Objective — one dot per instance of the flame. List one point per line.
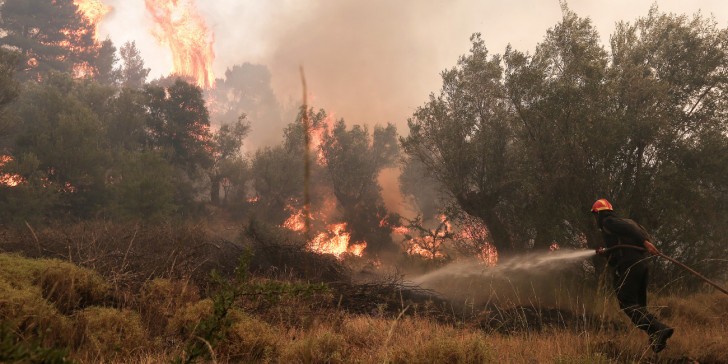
(334, 240)
(182, 28)
(489, 255)
(9, 179)
(402, 230)
(295, 222)
(94, 11)
(417, 248)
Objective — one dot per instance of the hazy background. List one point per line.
(371, 61)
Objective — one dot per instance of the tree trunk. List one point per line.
(215, 189)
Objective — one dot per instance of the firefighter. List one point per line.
(629, 267)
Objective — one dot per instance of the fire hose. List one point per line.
(681, 265)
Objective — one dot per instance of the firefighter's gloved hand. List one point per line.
(601, 251)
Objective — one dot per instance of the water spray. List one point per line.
(681, 265)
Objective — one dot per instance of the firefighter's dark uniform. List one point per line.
(629, 269)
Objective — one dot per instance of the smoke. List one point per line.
(369, 61)
(364, 60)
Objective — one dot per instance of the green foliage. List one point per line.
(526, 142)
(8, 92)
(133, 74)
(39, 30)
(465, 138)
(353, 159)
(179, 122)
(65, 137)
(278, 178)
(14, 349)
(144, 187)
(228, 164)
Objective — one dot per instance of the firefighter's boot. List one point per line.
(658, 339)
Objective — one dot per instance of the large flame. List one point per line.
(93, 10)
(182, 28)
(333, 240)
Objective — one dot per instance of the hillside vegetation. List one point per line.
(52, 309)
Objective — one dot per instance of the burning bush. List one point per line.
(281, 252)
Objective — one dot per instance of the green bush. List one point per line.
(15, 349)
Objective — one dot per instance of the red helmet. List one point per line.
(601, 204)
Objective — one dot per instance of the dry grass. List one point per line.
(55, 298)
(109, 334)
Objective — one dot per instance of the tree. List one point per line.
(671, 73)
(277, 176)
(465, 138)
(353, 160)
(127, 121)
(132, 72)
(246, 89)
(179, 123)
(66, 137)
(562, 105)
(278, 171)
(103, 65)
(227, 156)
(8, 93)
(50, 35)
(527, 142)
(144, 187)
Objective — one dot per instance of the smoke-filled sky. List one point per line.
(372, 61)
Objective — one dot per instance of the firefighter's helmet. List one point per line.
(600, 205)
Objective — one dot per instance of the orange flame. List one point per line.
(335, 240)
(489, 255)
(93, 10)
(418, 248)
(9, 179)
(181, 28)
(295, 222)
